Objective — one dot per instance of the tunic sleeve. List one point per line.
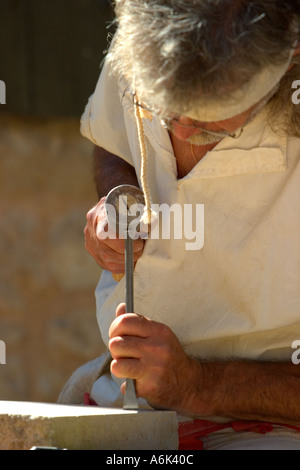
(103, 120)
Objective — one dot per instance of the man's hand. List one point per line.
(150, 353)
(108, 252)
(168, 378)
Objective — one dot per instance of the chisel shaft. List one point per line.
(130, 400)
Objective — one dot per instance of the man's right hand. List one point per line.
(109, 253)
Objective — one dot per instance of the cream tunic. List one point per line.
(239, 295)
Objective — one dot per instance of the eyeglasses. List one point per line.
(168, 122)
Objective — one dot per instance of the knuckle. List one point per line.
(114, 344)
(86, 231)
(121, 368)
(90, 214)
(165, 331)
(114, 367)
(124, 320)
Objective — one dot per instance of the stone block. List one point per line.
(24, 425)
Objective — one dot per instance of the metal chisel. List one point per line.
(121, 199)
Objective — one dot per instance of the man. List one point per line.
(213, 329)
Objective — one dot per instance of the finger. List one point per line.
(126, 367)
(109, 255)
(123, 388)
(109, 238)
(117, 244)
(97, 212)
(105, 257)
(97, 223)
(130, 324)
(121, 309)
(126, 347)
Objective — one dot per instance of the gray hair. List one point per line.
(178, 50)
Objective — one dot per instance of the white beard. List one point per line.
(204, 139)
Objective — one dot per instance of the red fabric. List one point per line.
(191, 432)
(87, 400)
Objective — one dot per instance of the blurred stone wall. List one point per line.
(47, 279)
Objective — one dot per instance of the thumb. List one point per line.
(120, 310)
